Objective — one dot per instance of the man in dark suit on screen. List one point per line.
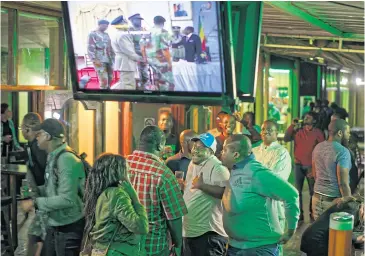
(193, 46)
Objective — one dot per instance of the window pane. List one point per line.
(23, 110)
(39, 48)
(4, 46)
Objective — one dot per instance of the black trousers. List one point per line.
(208, 244)
(64, 240)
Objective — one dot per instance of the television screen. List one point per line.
(159, 47)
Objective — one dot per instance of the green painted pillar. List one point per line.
(266, 86)
(295, 90)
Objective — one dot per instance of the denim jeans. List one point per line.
(208, 244)
(265, 250)
(301, 173)
(65, 240)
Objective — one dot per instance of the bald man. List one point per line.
(228, 126)
(331, 165)
(250, 214)
(181, 160)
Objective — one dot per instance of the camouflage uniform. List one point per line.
(156, 47)
(178, 50)
(142, 66)
(99, 48)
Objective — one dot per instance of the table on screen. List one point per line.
(192, 77)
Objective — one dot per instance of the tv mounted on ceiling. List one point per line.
(161, 51)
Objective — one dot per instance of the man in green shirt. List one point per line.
(250, 215)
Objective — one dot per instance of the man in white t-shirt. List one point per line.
(203, 232)
(275, 157)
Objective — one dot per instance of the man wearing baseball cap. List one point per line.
(60, 196)
(206, 179)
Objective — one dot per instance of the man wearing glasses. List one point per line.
(275, 157)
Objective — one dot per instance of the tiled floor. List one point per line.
(292, 248)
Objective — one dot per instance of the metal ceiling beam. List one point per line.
(360, 39)
(311, 48)
(288, 7)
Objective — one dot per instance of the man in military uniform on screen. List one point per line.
(177, 44)
(136, 21)
(156, 50)
(126, 59)
(100, 52)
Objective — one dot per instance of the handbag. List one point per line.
(89, 251)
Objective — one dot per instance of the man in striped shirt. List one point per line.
(159, 191)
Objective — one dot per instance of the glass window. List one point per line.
(22, 111)
(278, 105)
(4, 46)
(40, 45)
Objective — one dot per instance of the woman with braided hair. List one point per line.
(116, 222)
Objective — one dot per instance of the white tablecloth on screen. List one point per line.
(192, 77)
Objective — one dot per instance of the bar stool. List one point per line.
(6, 240)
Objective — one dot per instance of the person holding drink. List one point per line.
(203, 232)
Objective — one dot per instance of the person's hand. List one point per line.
(7, 138)
(20, 149)
(127, 186)
(97, 63)
(342, 200)
(309, 173)
(286, 236)
(295, 121)
(360, 239)
(27, 205)
(181, 184)
(237, 116)
(197, 182)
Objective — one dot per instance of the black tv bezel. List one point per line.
(224, 98)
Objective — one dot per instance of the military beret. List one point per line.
(158, 19)
(100, 22)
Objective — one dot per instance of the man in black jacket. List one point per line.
(37, 160)
(193, 45)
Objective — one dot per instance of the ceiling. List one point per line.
(315, 31)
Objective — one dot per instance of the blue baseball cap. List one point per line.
(208, 140)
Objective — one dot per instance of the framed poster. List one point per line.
(180, 10)
(304, 104)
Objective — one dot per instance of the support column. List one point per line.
(259, 113)
(338, 91)
(266, 86)
(178, 112)
(13, 47)
(126, 126)
(295, 91)
(359, 122)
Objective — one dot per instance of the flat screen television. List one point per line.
(160, 51)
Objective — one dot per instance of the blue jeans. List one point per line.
(265, 250)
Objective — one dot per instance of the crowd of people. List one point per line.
(234, 197)
(134, 48)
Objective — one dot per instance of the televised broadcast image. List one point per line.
(147, 46)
